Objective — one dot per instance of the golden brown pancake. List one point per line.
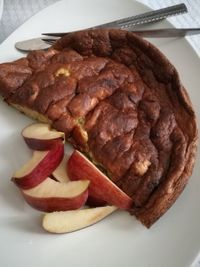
(121, 102)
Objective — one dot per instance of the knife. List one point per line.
(126, 23)
(145, 18)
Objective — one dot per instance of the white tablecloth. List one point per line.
(15, 12)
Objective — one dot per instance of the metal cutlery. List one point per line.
(168, 33)
(126, 23)
(145, 18)
(40, 43)
(157, 33)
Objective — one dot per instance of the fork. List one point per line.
(161, 33)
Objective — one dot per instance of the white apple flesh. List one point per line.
(39, 167)
(69, 221)
(51, 196)
(101, 187)
(40, 136)
(60, 173)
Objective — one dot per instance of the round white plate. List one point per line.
(119, 240)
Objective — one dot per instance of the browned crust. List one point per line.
(168, 147)
(164, 198)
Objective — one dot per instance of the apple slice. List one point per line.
(55, 196)
(39, 167)
(101, 187)
(60, 173)
(40, 136)
(69, 221)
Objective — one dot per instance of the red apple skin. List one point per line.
(41, 144)
(40, 136)
(79, 168)
(43, 169)
(56, 204)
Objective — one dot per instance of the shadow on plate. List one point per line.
(28, 223)
(13, 154)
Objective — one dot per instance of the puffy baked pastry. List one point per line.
(121, 102)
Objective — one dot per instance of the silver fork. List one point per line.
(157, 33)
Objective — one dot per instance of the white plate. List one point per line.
(119, 240)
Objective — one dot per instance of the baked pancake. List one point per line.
(118, 100)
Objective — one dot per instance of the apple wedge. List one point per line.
(69, 221)
(101, 187)
(39, 167)
(60, 173)
(40, 136)
(55, 196)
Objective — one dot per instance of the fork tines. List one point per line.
(55, 34)
(49, 41)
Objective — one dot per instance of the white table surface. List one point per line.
(15, 12)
